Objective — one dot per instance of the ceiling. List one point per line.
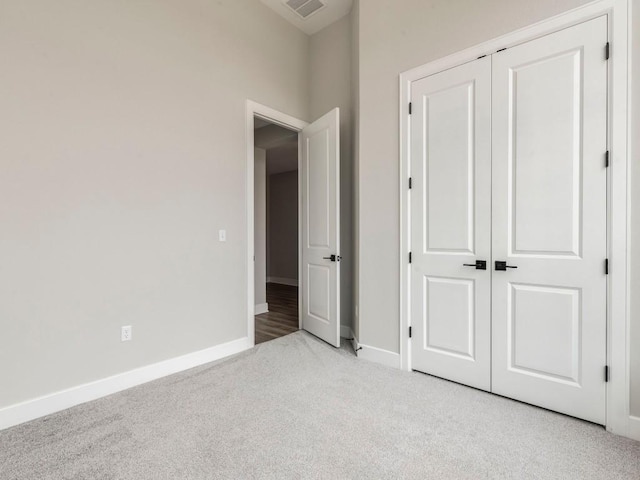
(331, 11)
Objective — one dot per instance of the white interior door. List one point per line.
(451, 224)
(320, 178)
(549, 221)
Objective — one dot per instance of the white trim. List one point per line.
(634, 427)
(292, 282)
(55, 402)
(254, 109)
(377, 355)
(631, 41)
(618, 321)
(300, 269)
(261, 308)
(618, 418)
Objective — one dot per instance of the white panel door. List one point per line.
(549, 221)
(451, 224)
(321, 228)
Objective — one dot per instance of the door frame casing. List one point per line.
(618, 418)
(254, 109)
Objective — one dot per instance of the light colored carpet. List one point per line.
(297, 408)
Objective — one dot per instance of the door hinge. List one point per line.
(606, 266)
(410, 257)
(606, 373)
(410, 105)
(410, 183)
(606, 159)
(607, 51)
(410, 332)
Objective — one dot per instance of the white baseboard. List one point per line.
(377, 355)
(634, 427)
(292, 282)
(373, 354)
(261, 308)
(55, 402)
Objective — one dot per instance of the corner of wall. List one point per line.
(355, 153)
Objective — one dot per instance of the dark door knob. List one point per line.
(479, 265)
(502, 266)
(333, 258)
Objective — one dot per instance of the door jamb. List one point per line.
(254, 109)
(618, 419)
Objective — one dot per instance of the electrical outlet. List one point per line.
(125, 333)
(222, 235)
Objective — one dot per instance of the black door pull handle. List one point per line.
(502, 266)
(479, 265)
(333, 258)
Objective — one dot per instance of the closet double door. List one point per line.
(508, 222)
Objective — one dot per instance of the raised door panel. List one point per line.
(318, 181)
(545, 319)
(545, 130)
(449, 316)
(319, 292)
(448, 169)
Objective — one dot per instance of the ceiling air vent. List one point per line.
(305, 8)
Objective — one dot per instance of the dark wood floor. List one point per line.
(282, 318)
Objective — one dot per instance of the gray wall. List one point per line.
(122, 145)
(260, 226)
(282, 221)
(330, 79)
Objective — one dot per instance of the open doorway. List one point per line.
(275, 230)
(318, 214)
